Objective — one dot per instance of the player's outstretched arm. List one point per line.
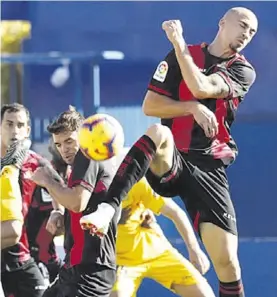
(219, 85)
(183, 225)
(200, 85)
(161, 106)
(172, 211)
(74, 199)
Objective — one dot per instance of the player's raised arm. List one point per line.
(220, 84)
(183, 225)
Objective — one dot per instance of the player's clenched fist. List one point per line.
(173, 30)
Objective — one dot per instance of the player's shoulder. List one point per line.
(169, 61)
(81, 160)
(242, 70)
(109, 167)
(171, 55)
(240, 61)
(32, 154)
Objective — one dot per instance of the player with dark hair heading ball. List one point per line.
(90, 264)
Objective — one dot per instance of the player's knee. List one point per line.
(160, 135)
(227, 267)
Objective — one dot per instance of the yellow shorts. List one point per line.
(169, 268)
(11, 201)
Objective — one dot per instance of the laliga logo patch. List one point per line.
(161, 72)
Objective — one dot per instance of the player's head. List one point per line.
(237, 27)
(15, 123)
(64, 130)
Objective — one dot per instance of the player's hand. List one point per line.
(199, 260)
(41, 176)
(55, 224)
(174, 31)
(206, 119)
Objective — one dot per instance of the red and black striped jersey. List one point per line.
(80, 246)
(19, 253)
(189, 137)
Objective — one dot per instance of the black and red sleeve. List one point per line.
(166, 78)
(84, 172)
(239, 77)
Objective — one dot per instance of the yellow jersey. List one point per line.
(11, 201)
(136, 244)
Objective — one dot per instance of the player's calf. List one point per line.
(222, 246)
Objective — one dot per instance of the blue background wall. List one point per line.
(135, 29)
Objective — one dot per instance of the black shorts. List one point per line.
(26, 281)
(204, 189)
(53, 269)
(94, 281)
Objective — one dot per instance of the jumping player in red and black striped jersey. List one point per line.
(196, 91)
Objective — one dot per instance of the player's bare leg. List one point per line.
(155, 150)
(202, 289)
(222, 248)
(129, 286)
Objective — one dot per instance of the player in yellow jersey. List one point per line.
(11, 205)
(143, 250)
(11, 201)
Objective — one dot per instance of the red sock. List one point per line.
(232, 289)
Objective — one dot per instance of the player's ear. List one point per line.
(221, 23)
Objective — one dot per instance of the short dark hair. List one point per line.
(15, 107)
(68, 121)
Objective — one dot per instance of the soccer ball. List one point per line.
(101, 137)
